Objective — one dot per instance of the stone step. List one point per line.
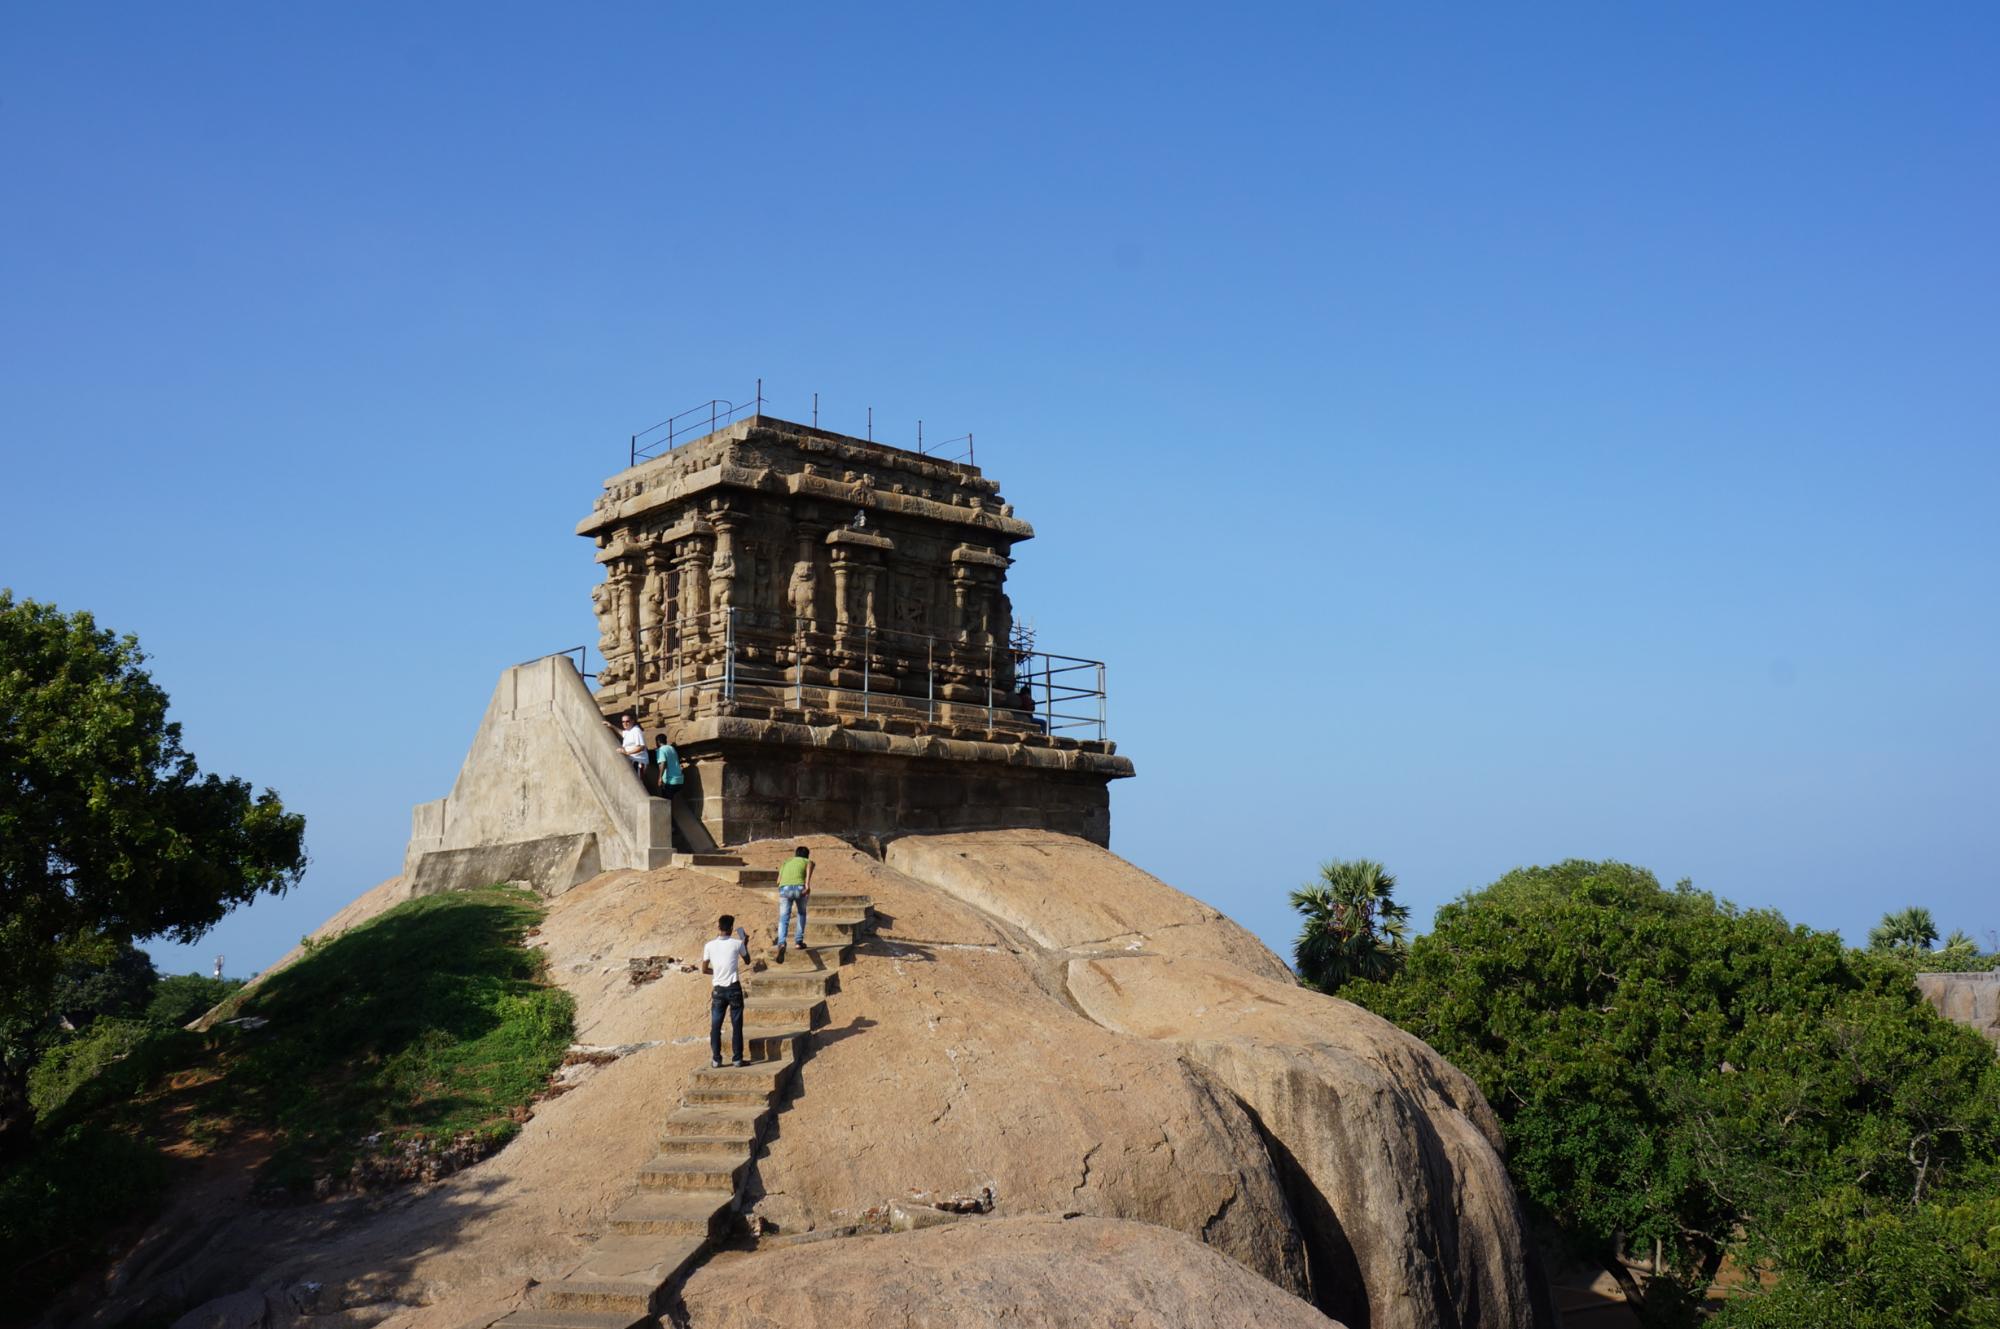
(541, 1318)
(622, 1274)
(830, 934)
(856, 918)
(695, 1172)
(773, 1042)
(782, 1012)
(683, 860)
(731, 1086)
(673, 1213)
(746, 1121)
(726, 1143)
(824, 899)
(817, 984)
(742, 876)
(808, 957)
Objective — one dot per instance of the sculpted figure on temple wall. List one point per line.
(607, 618)
(722, 574)
(802, 593)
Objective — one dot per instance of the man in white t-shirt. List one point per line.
(723, 960)
(632, 742)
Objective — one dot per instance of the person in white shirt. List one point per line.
(632, 741)
(723, 960)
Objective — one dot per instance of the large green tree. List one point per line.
(1353, 926)
(1672, 1069)
(109, 833)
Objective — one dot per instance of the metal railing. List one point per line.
(581, 654)
(700, 421)
(693, 423)
(754, 655)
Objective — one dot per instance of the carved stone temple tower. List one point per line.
(821, 624)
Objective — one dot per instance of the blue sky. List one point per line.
(1473, 437)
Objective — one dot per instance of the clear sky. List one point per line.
(1473, 436)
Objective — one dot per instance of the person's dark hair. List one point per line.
(726, 922)
(803, 851)
(659, 739)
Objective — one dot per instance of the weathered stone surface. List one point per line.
(1410, 1220)
(1067, 894)
(1043, 1271)
(958, 1056)
(543, 791)
(953, 1064)
(821, 625)
(1972, 1000)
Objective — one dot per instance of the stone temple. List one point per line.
(821, 626)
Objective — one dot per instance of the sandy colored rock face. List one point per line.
(1410, 1220)
(953, 1063)
(1068, 894)
(439, 1256)
(1066, 1030)
(1020, 1271)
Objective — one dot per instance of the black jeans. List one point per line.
(725, 999)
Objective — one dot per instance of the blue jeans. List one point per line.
(725, 999)
(786, 903)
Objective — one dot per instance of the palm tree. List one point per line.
(1354, 928)
(1959, 947)
(1904, 930)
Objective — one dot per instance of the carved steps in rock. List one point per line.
(622, 1274)
(730, 1121)
(690, 1188)
(539, 1318)
(818, 984)
(673, 1212)
(783, 1012)
(696, 1172)
(726, 867)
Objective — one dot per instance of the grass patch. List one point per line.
(420, 1029)
(404, 1048)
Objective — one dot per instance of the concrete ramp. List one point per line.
(544, 795)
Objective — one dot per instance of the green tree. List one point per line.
(1670, 1068)
(1353, 926)
(109, 832)
(1908, 929)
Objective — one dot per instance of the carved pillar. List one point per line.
(652, 617)
(722, 573)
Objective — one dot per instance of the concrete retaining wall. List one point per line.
(543, 776)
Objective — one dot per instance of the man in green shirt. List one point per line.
(794, 885)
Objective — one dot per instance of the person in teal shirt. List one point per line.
(794, 885)
(666, 768)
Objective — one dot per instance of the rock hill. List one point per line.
(1170, 1131)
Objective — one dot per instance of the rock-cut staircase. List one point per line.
(689, 1192)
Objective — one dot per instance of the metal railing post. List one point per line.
(867, 637)
(989, 684)
(1100, 703)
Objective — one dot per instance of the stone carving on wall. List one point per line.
(762, 519)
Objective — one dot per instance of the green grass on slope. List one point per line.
(428, 1024)
(405, 1047)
